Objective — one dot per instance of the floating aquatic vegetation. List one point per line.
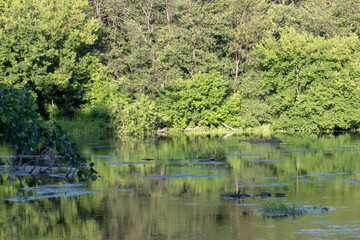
(317, 209)
(239, 195)
(234, 195)
(278, 209)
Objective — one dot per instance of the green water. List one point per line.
(171, 197)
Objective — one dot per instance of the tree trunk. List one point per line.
(237, 61)
(168, 18)
(297, 82)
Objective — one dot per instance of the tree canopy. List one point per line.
(149, 64)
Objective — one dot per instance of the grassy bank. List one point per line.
(83, 126)
(87, 126)
(264, 129)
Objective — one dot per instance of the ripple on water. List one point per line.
(270, 185)
(191, 171)
(327, 174)
(270, 177)
(105, 156)
(182, 176)
(246, 204)
(203, 163)
(128, 163)
(246, 179)
(293, 150)
(266, 160)
(244, 155)
(352, 181)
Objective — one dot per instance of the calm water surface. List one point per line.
(149, 190)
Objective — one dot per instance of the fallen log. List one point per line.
(228, 127)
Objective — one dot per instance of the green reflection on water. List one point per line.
(170, 197)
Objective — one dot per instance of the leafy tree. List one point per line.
(244, 24)
(313, 81)
(348, 16)
(321, 18)
(20, 127)
(46, 46)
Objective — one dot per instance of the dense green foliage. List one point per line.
(143, 65)
(195, 101)
(313, 81)
(20, 127)
(47, 46)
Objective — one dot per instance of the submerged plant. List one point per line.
(216, 153)
(277, 208)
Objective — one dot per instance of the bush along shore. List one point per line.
(37, 148)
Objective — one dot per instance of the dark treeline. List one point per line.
(141, 65)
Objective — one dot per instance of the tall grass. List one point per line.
(216, 153)
(83, 124)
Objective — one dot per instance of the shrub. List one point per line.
(136, 118)
(195, 101)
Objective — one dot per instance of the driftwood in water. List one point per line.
(45, 163)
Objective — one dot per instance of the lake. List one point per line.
(149, 190)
